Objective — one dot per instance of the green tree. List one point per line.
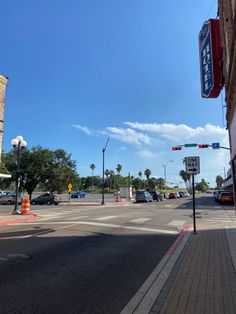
(92, 166)
(62, 172)
(140, 174)
(111, 179)
(160, 183)
(118, 169)
(202, 186)
(186, 178)
(219, 182)
(137, 183)
(152, 183)
(147, 173)
(35, 166)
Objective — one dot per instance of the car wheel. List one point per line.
(9, 202)
(33, 203)
(49, 202)
(55, 203)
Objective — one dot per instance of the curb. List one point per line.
(7, 222)
(94, 204)
(146, 296)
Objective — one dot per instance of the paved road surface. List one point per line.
(90, 259)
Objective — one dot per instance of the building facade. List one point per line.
(3, 85)
(227, 17)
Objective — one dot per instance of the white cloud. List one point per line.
(128, 135)
(146, 154)
(84, 129)
(182, 133)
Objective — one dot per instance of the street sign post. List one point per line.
(192, 165)
(70, 186)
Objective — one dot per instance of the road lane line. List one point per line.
(101, 225)
(79, 217)
(139, 220)
(106, 218)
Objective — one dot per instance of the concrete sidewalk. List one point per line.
(199, 276)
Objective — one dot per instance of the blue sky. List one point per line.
(80, 71)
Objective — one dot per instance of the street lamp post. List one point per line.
(164, 166)
(103, 162)
(18, 144)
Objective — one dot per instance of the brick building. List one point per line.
(227, 17)
(3, 84)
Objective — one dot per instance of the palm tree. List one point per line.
(140, 174)
(219, 182)
(118, 169)
(147, 173)
(92, 166)
(107, 173)
(186, 178)
(112, 173)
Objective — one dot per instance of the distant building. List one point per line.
(3, 83)
(227, 17)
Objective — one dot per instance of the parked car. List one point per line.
(78, 194)
(182, 194)
(46, 199)
(143, 196)
(226, 197)
(217, 194)
(172, 195)
(7, 199)
(156, 195)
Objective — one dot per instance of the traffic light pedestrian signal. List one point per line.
(177, 148)
(203, 146)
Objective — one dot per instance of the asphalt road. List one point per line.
(90, 259)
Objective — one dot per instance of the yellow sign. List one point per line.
(70, 187)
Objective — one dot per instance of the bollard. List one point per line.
(25, 205)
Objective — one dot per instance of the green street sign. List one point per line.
(190, 145)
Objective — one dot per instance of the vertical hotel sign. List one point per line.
(210, 59)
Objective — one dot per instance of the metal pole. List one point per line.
(194, 214)
(103, 180)
(17, 177)
(234, 182)
(165, 175)
(103, 183)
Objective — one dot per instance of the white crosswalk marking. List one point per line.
(106, 218)
(177, 223)
(221, 218)
(139, 220)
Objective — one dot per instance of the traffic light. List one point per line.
(203, 146)
(177, 148)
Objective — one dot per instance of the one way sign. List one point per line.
(192, 164)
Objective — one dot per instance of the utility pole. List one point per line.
(103, 162)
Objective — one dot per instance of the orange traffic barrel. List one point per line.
(117, 197)
(25, 206)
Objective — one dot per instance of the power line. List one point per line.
(211, 8)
